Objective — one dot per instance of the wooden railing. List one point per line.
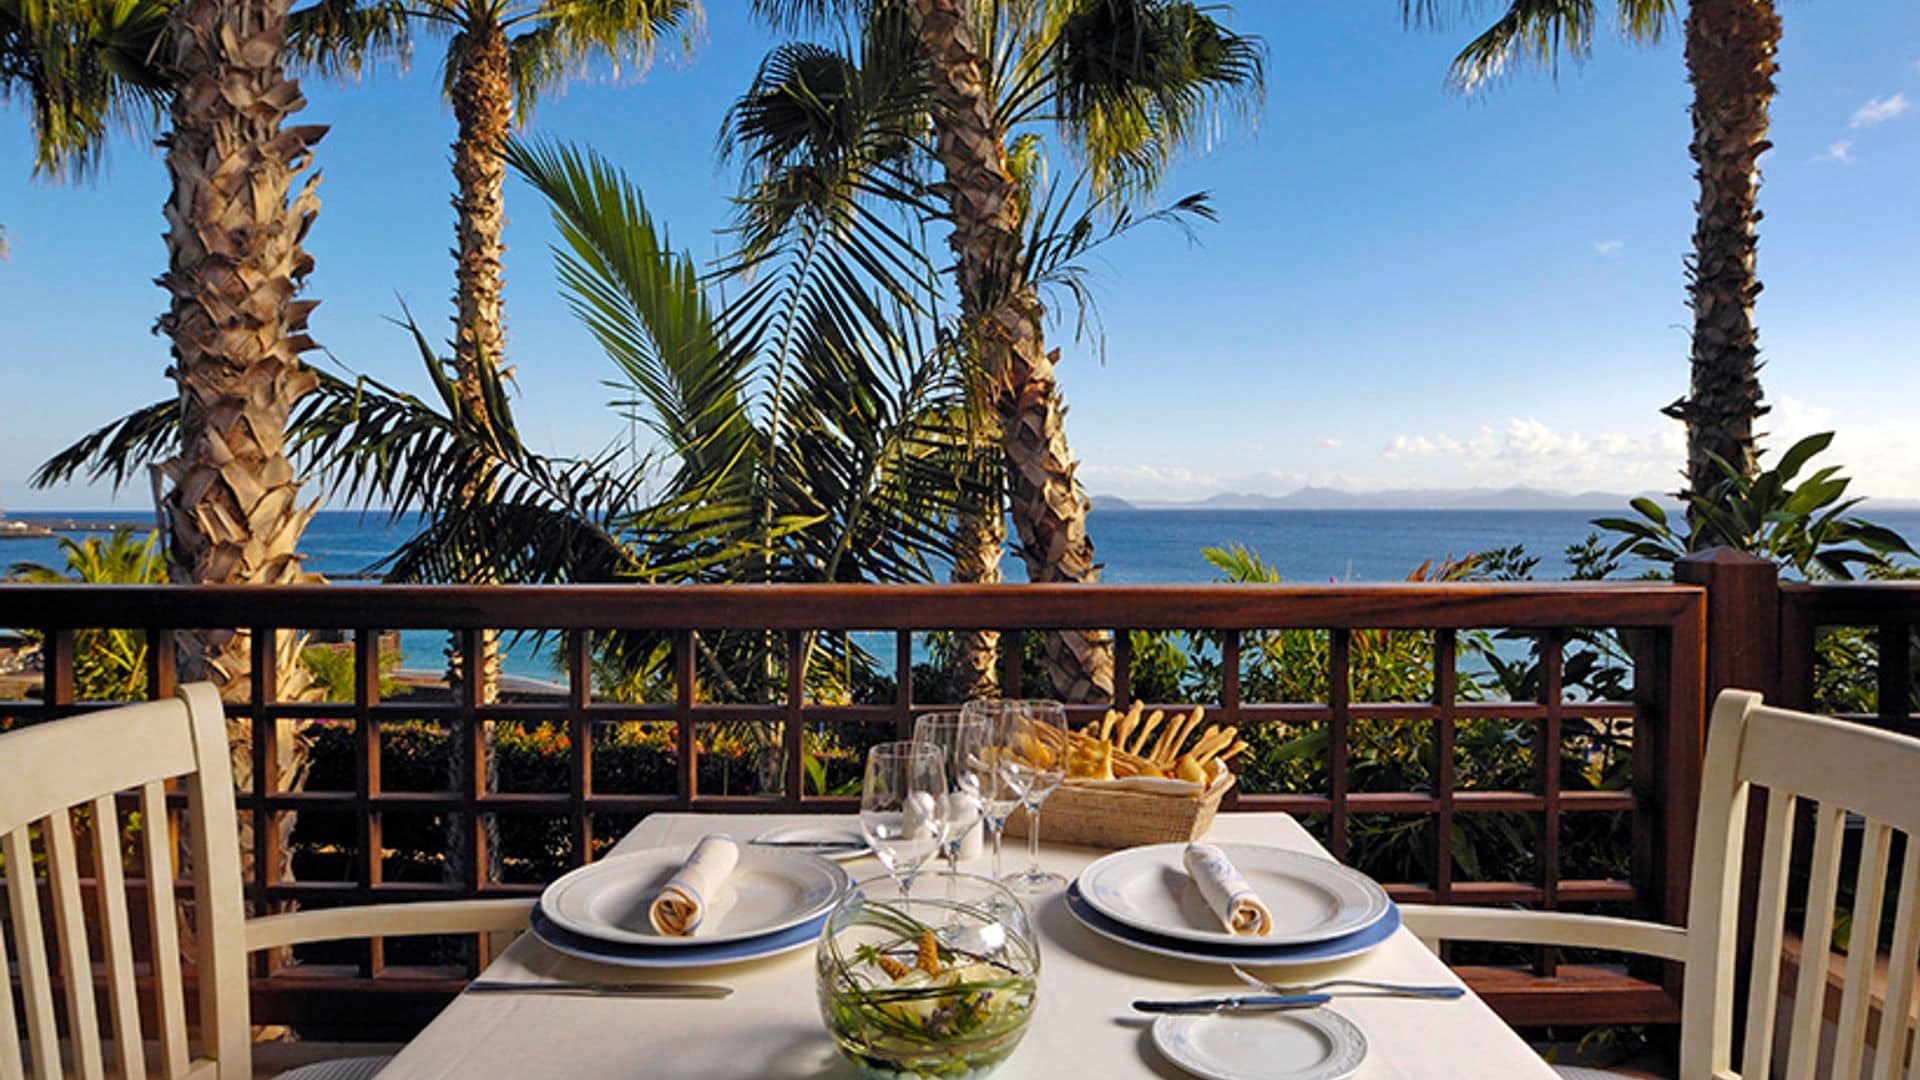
(1663, 626)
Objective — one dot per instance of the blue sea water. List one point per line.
(1133, 546)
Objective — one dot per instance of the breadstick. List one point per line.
(1146, 729)
(1160, 744)
(1126, 725)
(1180, 737)
(1165, 749)
(1215, 743)
(1107, 722)
(1232, 751)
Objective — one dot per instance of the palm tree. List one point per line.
(235, 221)
(1124, 84)
(502, 55)
(1730, 56)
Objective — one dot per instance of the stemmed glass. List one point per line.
(959, 739)
(998, 781)
(900, 807)
(1037, 781)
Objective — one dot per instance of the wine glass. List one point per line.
(959, 739)
(900, 807)
(999, 783)
(1039, 775)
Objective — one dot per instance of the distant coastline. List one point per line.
(1503, 499)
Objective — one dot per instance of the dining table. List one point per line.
(1083, 1025)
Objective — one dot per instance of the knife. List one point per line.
(1237, 1003)
(814, 845)
(597, 989)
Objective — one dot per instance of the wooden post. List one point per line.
(1743, 651)
(1743, 619)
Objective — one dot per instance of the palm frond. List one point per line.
(1133, 82)
(339, 38)
(1539, 33)
(561, 36)
(835, 135)
(645, 304)
(85, 68)
(116, 451)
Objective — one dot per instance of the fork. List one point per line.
(1381, 989)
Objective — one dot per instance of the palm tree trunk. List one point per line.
(231, 504)
(483, 107)
(1730, 61)
(981, 536)
(1005, 324)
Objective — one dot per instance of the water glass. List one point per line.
(1000, 784)
(1036, 781)
(959, 739)
(900, 807)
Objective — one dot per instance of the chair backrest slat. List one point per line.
(1763, 1000)
(84, 762)
(1902, 961)
(116, 938)
(163, 932)
(70, 933)
(1863, 946)
(1839, 769)
(219, 907)
(30, 949)
(9, 1021)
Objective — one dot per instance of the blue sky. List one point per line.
(1405, 289)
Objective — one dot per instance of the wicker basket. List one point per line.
(1090, 817)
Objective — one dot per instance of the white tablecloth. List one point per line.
(771, 1025)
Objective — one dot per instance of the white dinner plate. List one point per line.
(820, 834)
(1296, 1044)
(654, 957)
(1311, 898)
(1241, 952)
(770, 889)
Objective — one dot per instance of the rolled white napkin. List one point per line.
(1226, 892)
(682, 904)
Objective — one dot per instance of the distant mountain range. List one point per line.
(1508, 498)
(1324, 498)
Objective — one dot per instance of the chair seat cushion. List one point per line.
(359, 1068)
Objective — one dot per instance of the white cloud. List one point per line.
(1841, 151)
(1411, 446)
(1879, 111)
(1530, 451)
(1330, 442)
(1609, 248)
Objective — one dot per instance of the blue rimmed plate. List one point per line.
(622, 954)
(1318, 952)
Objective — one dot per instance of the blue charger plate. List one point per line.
(676, 956)
(1317, 952)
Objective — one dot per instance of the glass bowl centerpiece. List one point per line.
(938, 985)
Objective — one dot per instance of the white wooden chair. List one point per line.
(1840, 768)
(81, 762)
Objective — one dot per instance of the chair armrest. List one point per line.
(1433, 924)
(387, 920)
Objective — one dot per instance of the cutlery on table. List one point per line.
(600, 989)
(1380, 989)
(1235, 1003)
(814, 845)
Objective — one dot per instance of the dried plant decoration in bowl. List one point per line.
(939, 985)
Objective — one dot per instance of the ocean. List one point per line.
(1133, 546)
